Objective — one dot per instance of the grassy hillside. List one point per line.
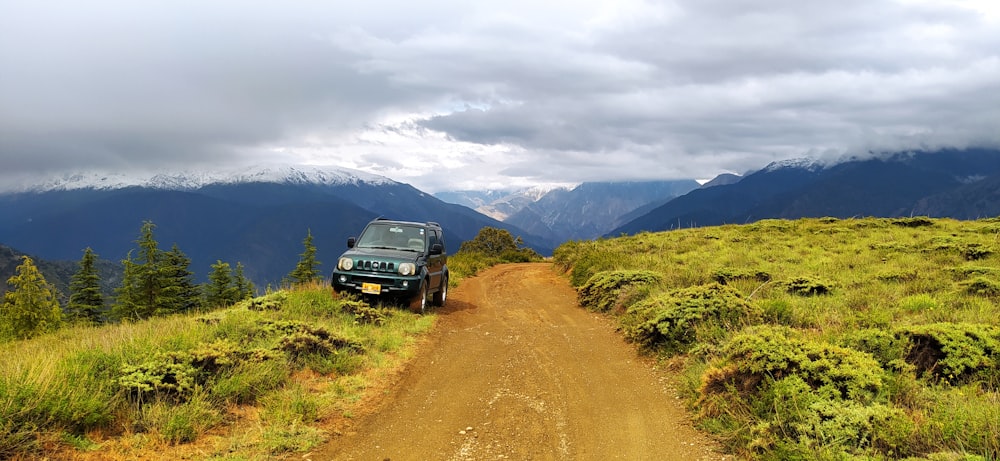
(817, 338)
(264, 378)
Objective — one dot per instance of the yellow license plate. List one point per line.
(371, 288)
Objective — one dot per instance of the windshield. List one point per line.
(393, 237)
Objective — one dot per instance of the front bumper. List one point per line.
(363, 282)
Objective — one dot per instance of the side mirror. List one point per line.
(351, 241)
(437, 249)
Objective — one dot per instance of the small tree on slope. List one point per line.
(306, 270)
(30, 307)
(86, 302)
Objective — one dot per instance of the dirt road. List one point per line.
(517, 371)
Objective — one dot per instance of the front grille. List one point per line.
(375, 266)
(359, 279)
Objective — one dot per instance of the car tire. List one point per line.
(418, 305)
(441, 295)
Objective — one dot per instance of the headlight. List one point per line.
(407, 269)
(345, 264)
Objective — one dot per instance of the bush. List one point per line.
(804, 399)
(808, 425)
(975, 251)
(806, 286)
(675, 320)
(767, 353)
(605, 290)
(884, 346)
(918, 221)
(725, 276)
(981, 286)
(955, 352)
(363, 312)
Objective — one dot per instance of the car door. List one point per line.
(435, 263)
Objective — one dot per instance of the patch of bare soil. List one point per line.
(516, 370)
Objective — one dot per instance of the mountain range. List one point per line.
(257, 216)
(260, 216)
(960, 184)
(583, 212)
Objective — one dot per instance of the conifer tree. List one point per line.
(86, 302)
(30, 306)
(155, 282)
(306, 270)
(220, 291)
(126, 304)
(179, 292)
(149, 271)
(244, 287)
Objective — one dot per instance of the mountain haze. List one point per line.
(585, 211)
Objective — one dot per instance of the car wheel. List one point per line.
(418, 305)
(442, 294)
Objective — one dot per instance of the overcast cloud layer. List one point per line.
(458, 95)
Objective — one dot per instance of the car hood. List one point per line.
(398, 256)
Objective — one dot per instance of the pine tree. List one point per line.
(155, 282)
(306, 270)
(86, 302)
(220, 291)
(30, 306)
(149, 273)
(126, 304)
(179, 292)
(244, 287)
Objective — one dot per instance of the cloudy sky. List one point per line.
(476, 94)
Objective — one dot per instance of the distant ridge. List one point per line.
(257, 216)
(961, 184)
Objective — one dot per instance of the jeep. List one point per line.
(395, 260)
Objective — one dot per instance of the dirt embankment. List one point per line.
(516, 370)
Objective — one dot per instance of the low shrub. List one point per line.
(364, 313)
(604, 291)
(807, 286)
(269, 302)
(955, 352)
(884, 346)
(766, 353)
(167, 375)
(975, 251)
(981, 286)
(725, 276)
(897, 276)
(675, 320)
(804, 399)
(810, 425)
(917, 221)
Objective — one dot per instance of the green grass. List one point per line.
(905, 308)
(298, 356)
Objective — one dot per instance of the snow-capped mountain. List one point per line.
(257, 216)
(502, 203)
(961, 184)
(803, 163)
(195, 179)
(581, 211)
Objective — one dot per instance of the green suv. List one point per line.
(397, 260)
